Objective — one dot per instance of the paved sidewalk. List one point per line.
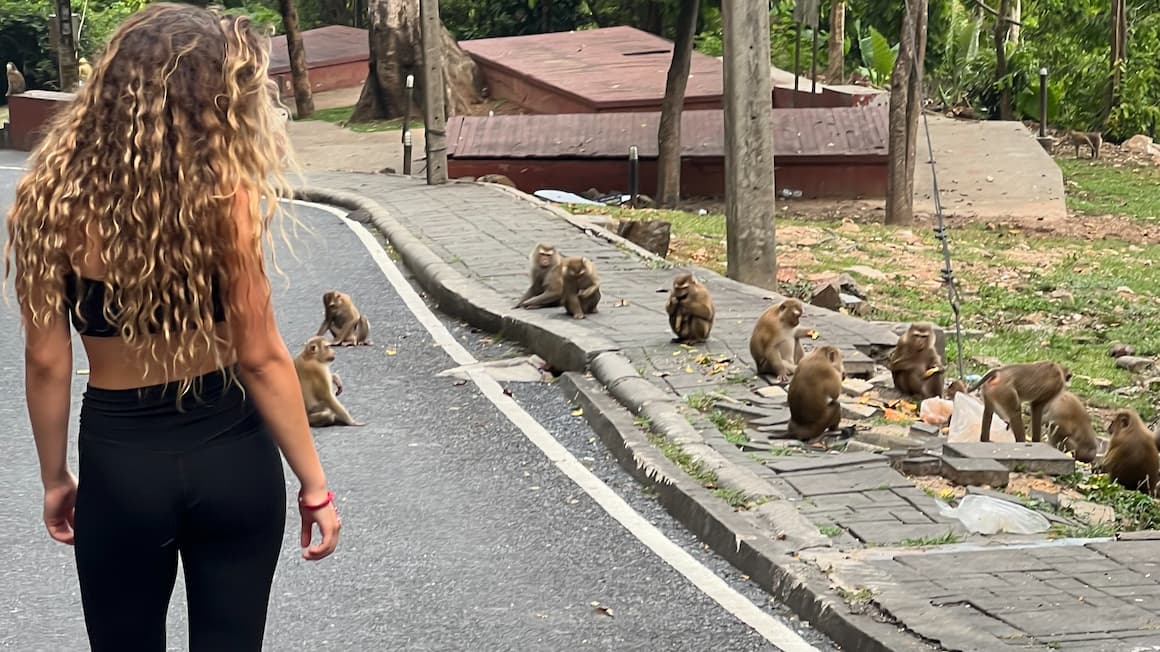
(867, 582)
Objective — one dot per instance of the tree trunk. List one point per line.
(303, 98)
(1016, 21)
(835, 68)
(899, 186)
(1002, 28)
(395, 52)
(669, 132)
(749, 197)
(1118, 39)
(914, 101)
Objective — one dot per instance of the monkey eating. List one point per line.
(690, 309)
(813, 393)
(1071, 427)
(547, 279)
(321, 387)
(775, 344)
(348, 326)
(1131, 460)
(1006, 389)
(16, 83)
(915, 365)
(581, 291)
(1092, 139)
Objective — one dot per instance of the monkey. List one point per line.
(581, 290)
(1092, 139)
(1131, 460)
(690, 309)
(16, 83)
(321, 387)
(813, 393)
(775, 344)
(915, 365)
(1005, 390)
(955, 387)
(348, 326)
(547, 278)
(1071, 427)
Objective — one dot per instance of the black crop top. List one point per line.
(91, 320)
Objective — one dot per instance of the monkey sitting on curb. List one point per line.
(690, 310)
(581, 291)
(814, 392)
(321, 387)
(775, 344)
(915, 365)
(547, 278)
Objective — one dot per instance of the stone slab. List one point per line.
(970, 471)
(894, 533)
(1030, 457)
(850, 481)
(823, 462)
(780, 416)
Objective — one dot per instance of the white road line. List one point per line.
(12, 168)
(704, 579)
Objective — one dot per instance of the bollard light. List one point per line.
(1043, 102)
(407, 153)
(633, 174)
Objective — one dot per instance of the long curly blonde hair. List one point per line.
(178, 115)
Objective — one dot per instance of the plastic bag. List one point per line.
(967, 422)
(936, 411)
(987, 515)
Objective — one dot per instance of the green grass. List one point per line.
(1101, 189)
(859, 597)
(1134, 510)
(341, 117)
(831, 531)
(700, 401)
(733, 428)
(946, 539)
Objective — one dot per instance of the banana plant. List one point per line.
(877, 55)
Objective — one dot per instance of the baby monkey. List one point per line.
(581, 286)
(690, 309)
(547, 276)
(348, 326)
(321, 387)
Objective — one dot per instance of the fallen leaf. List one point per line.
(577, 412)
(392, 352)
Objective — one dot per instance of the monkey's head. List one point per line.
(681, 285)
(1085, 451)
(317, 348)
(334, 298)
(955, 387)
(577, 267)
(546, 255)
(1124, 421)
(834, 357)
(919, 335)
(790, 312)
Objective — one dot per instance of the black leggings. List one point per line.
(207, 483)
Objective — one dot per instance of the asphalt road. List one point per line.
(459, 533)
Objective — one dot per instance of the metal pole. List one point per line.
(407, 108)
(407, 148)
(1043, 102)
(633, 174)
(797, 58)
(814, 66)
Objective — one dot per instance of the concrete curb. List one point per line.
(571, 348)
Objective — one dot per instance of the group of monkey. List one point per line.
(321, 386)
(815, 378)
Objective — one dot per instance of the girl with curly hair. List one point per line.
(141, 222)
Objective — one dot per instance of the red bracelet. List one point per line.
(329, 500)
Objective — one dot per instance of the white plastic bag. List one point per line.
(987, 515)
(935, 411)
(967, 422)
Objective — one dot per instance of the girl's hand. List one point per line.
(60, 499)
(326, 516)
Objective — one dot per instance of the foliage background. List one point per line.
(1069, 37)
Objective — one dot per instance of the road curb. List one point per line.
(571, 348)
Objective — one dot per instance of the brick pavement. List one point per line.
(1043, 595)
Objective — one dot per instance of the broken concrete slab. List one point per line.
(774, 392)
(858, 411)
(1031, 457)
(974, 471)
(885, 533)
(856, 386)
(849, 481)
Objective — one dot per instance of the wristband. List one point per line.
(329, 499)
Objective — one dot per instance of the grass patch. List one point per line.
(700, 401)
(1100, 189)
(733, 428)
(946, 539)
(856, 597)
(831, 531)
(341, 117)
(1134, 510)
(1098, 531)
